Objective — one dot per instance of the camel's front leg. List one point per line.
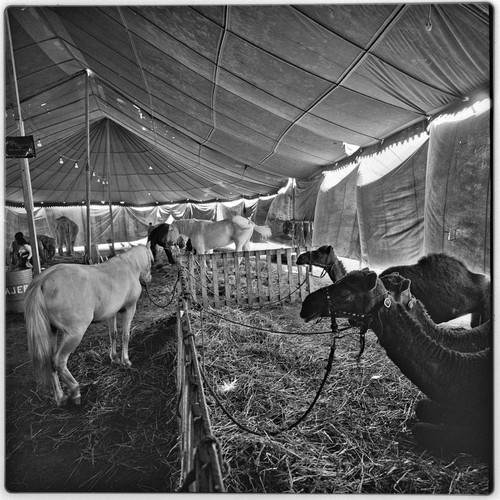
(128, 315)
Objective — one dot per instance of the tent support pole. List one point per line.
(25, 167)
(108, 166)
(294, 222)
(88, 249)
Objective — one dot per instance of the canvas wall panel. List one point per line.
(391, 214)
(458, 189)
(335, 219)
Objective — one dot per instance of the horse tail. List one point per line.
(264, 231)
(39, 333)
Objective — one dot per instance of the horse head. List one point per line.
(173, 236)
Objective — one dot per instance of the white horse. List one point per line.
(207, 235)
(66, 298)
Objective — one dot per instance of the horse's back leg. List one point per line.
(127, 317)
(59, 396)
(69, 342)
(113, 332)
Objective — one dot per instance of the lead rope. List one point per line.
(328, 369)
(171, 299)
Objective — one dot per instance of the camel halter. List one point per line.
(326, 268)
(364, 319)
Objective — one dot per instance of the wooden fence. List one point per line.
(253, 278)
(201, 461)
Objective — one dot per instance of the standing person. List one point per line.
(150, 228)
(23, 251)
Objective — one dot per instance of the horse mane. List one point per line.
(137, 257)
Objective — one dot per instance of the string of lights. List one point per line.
(62, 158)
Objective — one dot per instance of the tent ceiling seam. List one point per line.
(138, 62)
(216, 73)
(364, 52)
(374, 41)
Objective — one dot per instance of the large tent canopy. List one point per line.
(207, 102)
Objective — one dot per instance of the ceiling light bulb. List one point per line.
(61, 161)
(76, 164)
(39, 143)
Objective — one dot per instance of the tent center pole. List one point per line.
(88, 249)
(25, 166)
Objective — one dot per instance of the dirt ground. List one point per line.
(123, 438)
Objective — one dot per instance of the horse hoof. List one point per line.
(77, 400)
(62, 402)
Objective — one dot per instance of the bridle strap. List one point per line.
(365, 319)
(331, 311)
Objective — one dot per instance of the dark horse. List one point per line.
(457, 416)
(158, 236)
(447, 288)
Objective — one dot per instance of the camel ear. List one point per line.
(371, 280)
(405, 284)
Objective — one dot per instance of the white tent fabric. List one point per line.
(202, 103)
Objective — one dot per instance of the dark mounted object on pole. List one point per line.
(21, 146)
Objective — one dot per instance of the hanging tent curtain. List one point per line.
(261, 211)
(280, 214)
(250, 208)
(229, 209)
(335, 219)
(306, 193)
(458, 188)
(391, 213)
(129, 223)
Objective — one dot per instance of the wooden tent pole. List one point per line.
(108, 165)
(88, 249)
(294, 222)
(25, 167)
